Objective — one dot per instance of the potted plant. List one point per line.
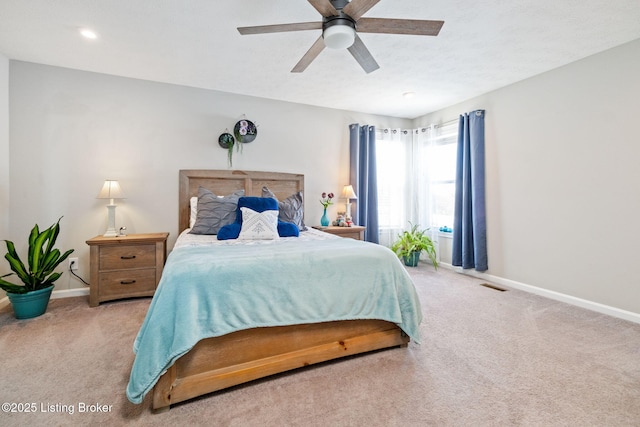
(32, 297)
(411, 243)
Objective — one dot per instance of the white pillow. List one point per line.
(259, 225)
(194, 211)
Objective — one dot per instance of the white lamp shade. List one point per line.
(339, 36)
(348, 193)
(111, 190)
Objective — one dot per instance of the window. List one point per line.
(416, 178)
(391, 167)
(442, 155)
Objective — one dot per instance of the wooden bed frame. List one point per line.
(221, 362)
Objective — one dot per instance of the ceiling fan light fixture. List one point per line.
(339, 36)
(341, 22)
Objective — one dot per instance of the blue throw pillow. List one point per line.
(258, 204)
(288, 229)
(230, 231)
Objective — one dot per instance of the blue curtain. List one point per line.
(469, 223)
(363, 177)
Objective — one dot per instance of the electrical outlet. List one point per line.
(73, 263)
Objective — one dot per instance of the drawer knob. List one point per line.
(127, 282)
(128, 257)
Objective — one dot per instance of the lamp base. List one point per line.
(111, 229)
(110, 233)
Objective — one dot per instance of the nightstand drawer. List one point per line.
(123, 257)
(127, 283)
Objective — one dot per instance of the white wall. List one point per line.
(71, 130)
(562, 150)
(563, 181)
(4, 156)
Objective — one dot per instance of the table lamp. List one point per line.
(111, 190)
(348, 193)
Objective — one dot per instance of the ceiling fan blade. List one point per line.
(363, 56)
(308, 57)
(399, 26)
(280, 28)
(357, 8)
(324, 7)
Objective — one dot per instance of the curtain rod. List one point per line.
(423, 128)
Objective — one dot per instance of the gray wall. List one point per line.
(71, 130)
(562, 151)
(4, 144)
(4, 156)
(563, 181)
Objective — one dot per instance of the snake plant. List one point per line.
(43, 259)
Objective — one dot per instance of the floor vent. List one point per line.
(494, 287)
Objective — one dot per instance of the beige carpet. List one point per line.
(488, 358)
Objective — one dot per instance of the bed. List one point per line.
(245, 316)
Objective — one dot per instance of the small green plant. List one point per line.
(414, 240)
(43, 259)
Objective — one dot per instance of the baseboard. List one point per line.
(557, 296)
(63, 293)
(68, 293)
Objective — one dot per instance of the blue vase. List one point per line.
(324, 221)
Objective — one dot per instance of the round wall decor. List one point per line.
(226, 140)
(245, 131)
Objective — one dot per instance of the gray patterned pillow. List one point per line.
(291, 209)
(215, 211)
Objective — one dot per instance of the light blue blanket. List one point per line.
(212, 291)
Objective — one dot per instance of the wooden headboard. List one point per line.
(225, 182)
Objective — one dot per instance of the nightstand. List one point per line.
(126, 266)
(354, 232)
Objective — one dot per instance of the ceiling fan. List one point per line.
(341, 22)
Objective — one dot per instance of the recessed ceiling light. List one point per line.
(409, 94)
(89, 34)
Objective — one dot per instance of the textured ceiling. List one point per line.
(482, 46)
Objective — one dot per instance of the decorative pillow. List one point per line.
(291, 209)
(258, 204)
(229, 231)
(215, 211)
(259, 225)
(232, 231)
(288, 229)
(193, 203)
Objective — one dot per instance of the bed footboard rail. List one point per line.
(222, 362)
